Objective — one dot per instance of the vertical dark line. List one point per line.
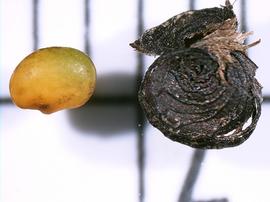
(139, 114)
(141, 155)
(86, 26)
(243, 17)
(35, 24)
(192, 4)
(192, 175)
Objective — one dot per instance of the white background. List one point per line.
(90, 154)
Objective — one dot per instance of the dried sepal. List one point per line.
(182, 30)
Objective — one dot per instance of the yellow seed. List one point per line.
(52, 79)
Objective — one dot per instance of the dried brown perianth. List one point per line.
(222, 42)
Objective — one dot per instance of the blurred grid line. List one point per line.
(243, 16)
(112, 100)
(192, 176)
(35, 18)
(87, 27)
(140, 119)
(191, 4)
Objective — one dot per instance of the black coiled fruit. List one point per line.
(201, 90)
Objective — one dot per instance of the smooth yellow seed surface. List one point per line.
(52, 79)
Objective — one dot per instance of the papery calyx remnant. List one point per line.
(201, 91)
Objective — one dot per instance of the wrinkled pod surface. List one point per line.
(200, 94)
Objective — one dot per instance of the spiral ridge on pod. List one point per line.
(183, 97)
